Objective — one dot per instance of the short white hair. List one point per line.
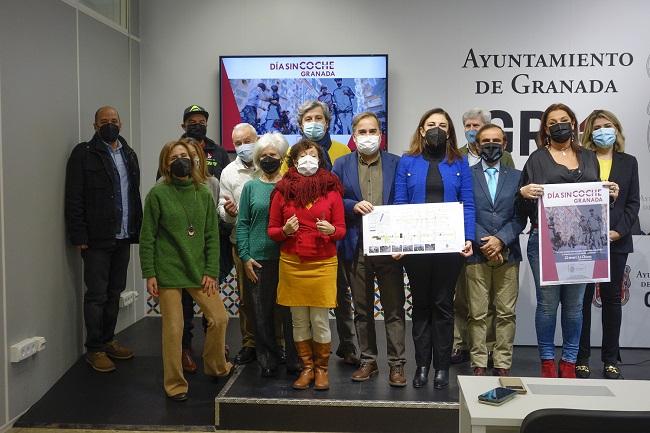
(245, 126)
(270, 139)
(477, 113)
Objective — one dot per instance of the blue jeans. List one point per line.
(548, 299)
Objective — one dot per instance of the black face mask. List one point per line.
(270, 165)
(436, 142)
(109, 132)
(560, 132)
(491, 152)
(181, 167)
(196, 131)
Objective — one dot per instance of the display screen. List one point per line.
(266, 92)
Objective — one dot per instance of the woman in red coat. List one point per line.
(307, 217)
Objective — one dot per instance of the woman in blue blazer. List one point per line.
(434, 171)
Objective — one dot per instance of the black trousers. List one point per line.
(105, 271)
(266, 313)
(432, 278)
(610, 296)
(343, 311)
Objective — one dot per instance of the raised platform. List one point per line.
(132, 397)
(372, 406)
(251, 402)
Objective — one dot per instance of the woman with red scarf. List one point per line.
(307, 217)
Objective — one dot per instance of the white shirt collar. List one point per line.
(485, 166)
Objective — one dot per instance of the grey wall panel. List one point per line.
(134, 17)
(3, 322)
(106, 63)
(39, 117)
(136, 137)
(103, 72)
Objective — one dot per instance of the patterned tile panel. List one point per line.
(230, 298)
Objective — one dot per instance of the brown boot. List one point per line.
(321, 360)
(307, 373)
(189, 366)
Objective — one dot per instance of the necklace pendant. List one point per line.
(190, 231)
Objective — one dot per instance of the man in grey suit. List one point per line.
(493, 271)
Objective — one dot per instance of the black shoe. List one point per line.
(245, 355)
(294, 368)
(282, 358)
(441, 379)
(349, 355)
(268, 372)
(421, 377)
(178, 397)
(582, 370)
(458, 356)
(611, 371)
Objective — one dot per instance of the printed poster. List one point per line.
(414, 229)
(573, 228)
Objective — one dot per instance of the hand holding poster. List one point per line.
(573, 228)
(414, 229)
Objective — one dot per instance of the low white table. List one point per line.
(590, 394)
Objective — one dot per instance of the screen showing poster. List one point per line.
(267, 91)
(414, 229)
(573, 228)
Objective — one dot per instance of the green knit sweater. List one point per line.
(167, 252)
(252, 222)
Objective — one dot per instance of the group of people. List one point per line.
(290, 219)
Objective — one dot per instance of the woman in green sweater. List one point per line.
(179, 248)
(260, 255)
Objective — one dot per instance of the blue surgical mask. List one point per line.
(313, 130)
(245, 152)
(471, 135)
(604, 137)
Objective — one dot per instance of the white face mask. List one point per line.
(367, 144)
(307, 165)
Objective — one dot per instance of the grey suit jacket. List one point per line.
(501, 218)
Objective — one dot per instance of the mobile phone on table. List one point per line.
(497, 396)
(513, 383)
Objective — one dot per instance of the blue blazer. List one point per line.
(411, 183)
(346, 168)
(501, 218)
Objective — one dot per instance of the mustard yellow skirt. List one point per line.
(307, 284)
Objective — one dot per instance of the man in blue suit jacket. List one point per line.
(493, 270)
(368, 175)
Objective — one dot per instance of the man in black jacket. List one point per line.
(103, 213)
(195, 122)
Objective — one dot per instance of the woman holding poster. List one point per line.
(603, 134)
(558, 159)
(434, 171)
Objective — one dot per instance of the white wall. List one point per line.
(427, 43)
(57, 66)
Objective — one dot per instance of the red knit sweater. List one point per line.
(308, 243)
